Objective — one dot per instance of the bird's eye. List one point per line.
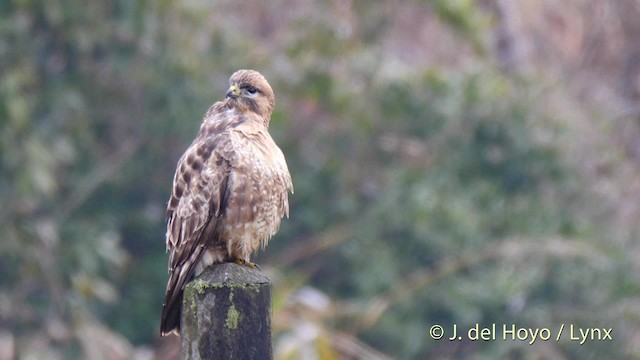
(251, 90)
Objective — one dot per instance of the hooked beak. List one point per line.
(233, 92)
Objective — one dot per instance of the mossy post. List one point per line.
(226, 314)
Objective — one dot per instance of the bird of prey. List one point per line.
(230, 189)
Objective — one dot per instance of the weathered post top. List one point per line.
(226, 314)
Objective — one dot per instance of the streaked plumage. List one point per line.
(229, 190)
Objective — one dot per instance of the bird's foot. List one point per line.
(246, 263)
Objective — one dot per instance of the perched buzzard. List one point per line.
(229, 191)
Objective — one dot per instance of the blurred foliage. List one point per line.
(431, 187)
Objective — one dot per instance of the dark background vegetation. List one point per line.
(455, 162)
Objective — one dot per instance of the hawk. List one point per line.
(230, 189)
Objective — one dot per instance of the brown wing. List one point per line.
(199, 194)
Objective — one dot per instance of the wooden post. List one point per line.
(226, 314)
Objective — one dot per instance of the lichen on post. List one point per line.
(226, 314)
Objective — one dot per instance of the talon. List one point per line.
(246, 263)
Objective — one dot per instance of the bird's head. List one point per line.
(250, 91)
